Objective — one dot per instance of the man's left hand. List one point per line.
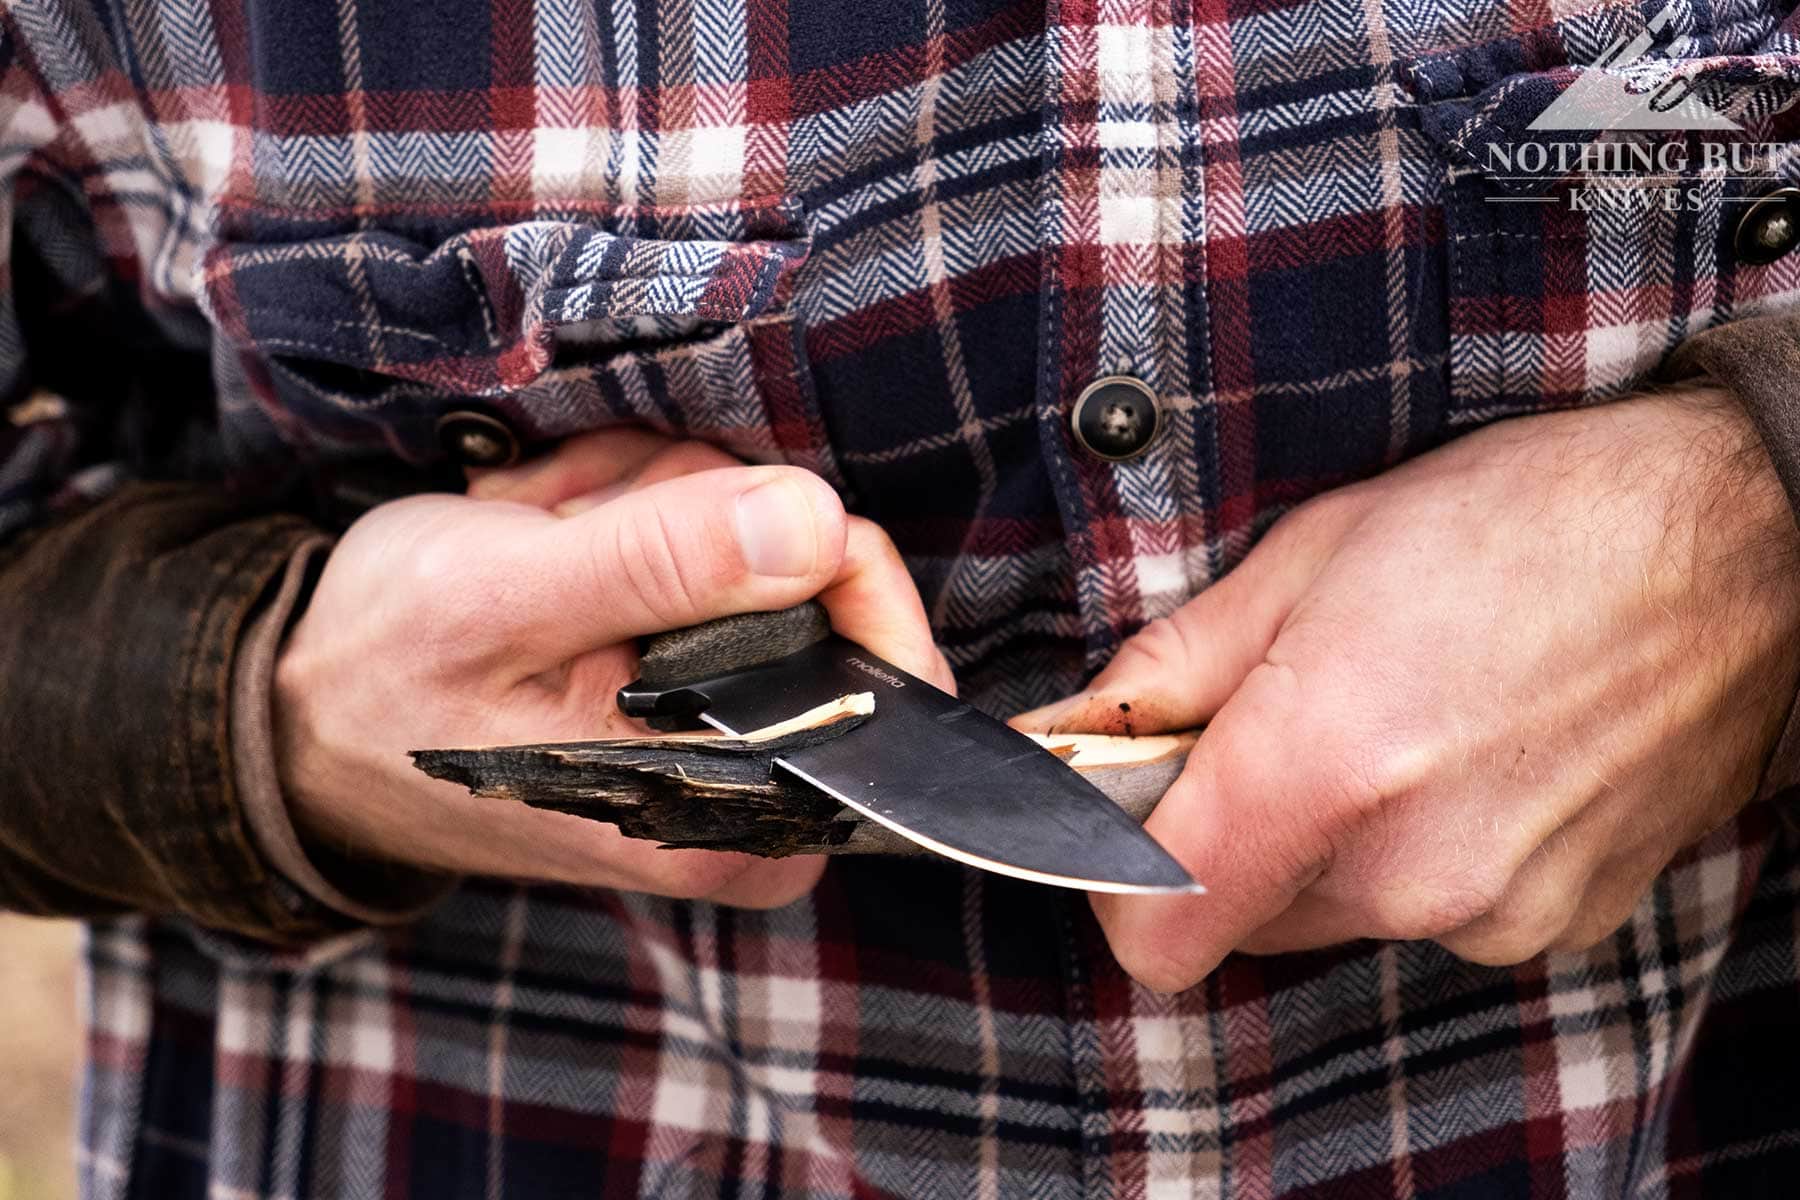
(1483, 698)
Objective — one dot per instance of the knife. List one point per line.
(926, 765)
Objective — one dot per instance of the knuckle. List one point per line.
(1537, 920)
(1505, 946)
(1348, 776)
(1521, 925)
(644, 556)
(866, 546)
(453, 599)
(1410, 910)
(1596, 923)
(1160, 644)
(435, 567)
(1274, 692)
(1584, 936)
(1374, 776)
(1304, 522)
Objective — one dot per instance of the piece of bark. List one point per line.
(722, 793)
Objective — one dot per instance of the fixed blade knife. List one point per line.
(930, 767)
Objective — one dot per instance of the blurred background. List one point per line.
(39, 1047)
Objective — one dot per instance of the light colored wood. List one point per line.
(852, 704)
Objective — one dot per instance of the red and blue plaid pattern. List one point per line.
(891, 242)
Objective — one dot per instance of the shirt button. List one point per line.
(1116, 418)
(1770, 228)
(476, 439)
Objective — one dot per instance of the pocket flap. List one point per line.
(1654, 68)
(477, 313)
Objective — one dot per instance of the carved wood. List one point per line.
(722, 793)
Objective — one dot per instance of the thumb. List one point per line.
(1177, 671)
(676, 553)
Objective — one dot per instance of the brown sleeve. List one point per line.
(119, 629)
(1757, 360)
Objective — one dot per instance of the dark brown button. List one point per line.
(1770, 227)
(476, 439)
(1116, 417)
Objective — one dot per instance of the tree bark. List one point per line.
(723, 793)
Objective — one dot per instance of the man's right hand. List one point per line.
(473, 620)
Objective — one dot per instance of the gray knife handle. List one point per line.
(730, 644)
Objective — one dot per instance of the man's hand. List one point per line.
(510, 616)
(1483, 698)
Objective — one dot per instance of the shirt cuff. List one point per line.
(1757, 359)
(372, 892)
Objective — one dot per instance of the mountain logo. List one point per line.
(1601, 97)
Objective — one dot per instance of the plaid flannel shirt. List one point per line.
(890, 241)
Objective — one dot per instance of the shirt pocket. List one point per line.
(358, 343)
(1591, 175)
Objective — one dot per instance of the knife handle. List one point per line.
(729, 644)
(672, 660)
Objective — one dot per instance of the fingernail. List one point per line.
(775, 530)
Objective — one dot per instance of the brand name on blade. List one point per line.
(871, 669)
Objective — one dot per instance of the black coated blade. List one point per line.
(945, 775)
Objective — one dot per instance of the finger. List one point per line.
(1246, 818)
(772, 883)
(1311, 922)
(1176, 672)
(1444, 865)
(733, 879)
(683, 458)
(606, 858)
(670, 462)
(433, 822)
(874, 602)
(579, 465)
(673, 554)
(1633, 855)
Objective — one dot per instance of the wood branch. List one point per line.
(721, 793)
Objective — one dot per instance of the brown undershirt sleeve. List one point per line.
(1757, 359)
(368, 891)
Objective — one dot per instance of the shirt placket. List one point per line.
(1124, 295)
